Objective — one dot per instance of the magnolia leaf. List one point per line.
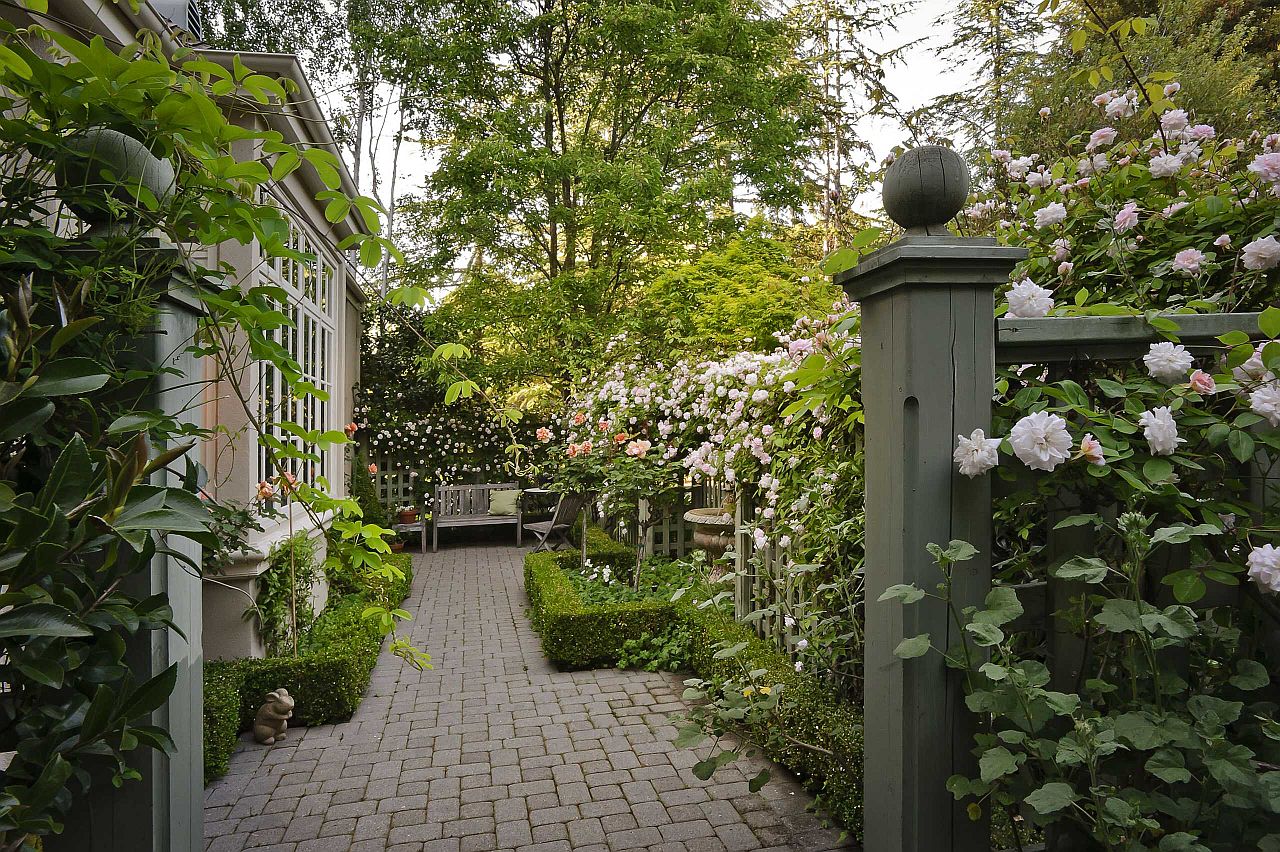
(916, 646)
(35, 620)
(756, 784)
(69, 377)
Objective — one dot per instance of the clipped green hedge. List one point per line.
(221, 717)
(578, 636)
(575, 635)
(327, 679)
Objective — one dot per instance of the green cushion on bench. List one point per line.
(503, 502)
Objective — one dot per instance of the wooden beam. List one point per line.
(1055, 339)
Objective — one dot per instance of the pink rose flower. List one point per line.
(1203, 383)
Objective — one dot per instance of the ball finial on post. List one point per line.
(924, 188)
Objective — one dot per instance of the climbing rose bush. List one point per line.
(1179, 219)
(784, 425)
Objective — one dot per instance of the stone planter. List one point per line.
(712, 530)
(102, 166)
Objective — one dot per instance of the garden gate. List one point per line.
(927, 301)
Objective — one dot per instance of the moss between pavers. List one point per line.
(575, 635)
(327, 679)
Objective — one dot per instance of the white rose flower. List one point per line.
(976, 454)
(1168, 362)
(1264, 567)
(1265, 401)
(1160, 430)
(1253, 370)
(1028, 300)
(1165, 165)
(1054, 213)
(1261, 254)
(1041, 440)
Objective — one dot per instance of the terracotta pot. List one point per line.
(408, 517)
(397, 546)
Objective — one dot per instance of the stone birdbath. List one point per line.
(712, 530)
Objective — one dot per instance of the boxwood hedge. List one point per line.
(575, 635)
(327, 679)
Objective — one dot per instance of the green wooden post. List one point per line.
(928, 364)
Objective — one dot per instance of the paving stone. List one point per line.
(494, 749)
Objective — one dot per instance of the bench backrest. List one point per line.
(466, 501)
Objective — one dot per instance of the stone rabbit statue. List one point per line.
(273, 717)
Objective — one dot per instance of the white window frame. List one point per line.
(312, 341)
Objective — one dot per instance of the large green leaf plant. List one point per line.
(94, 483)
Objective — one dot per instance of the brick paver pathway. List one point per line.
(495, 749)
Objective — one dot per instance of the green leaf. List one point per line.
(839, 261)
(756, 784)
(985, 635)
(1181, 841)
(69, 377)
(1250, 675)
(907, 593)
(1182, 533)
(15, 63)
(69, 332)
(690, 736)
(1212, 710)
(1052, 797)
(959, 551)
(150, 695)
(1001, 606)
(1082, 568)
(997, 763)
(1241, 445)
(1119, 616)
(731, 651)
(1139, 730)
(916, 646)
(1157, 470)
(1269, 322)
(1168, 765)
(23, 416)
(34, 620)
(1233, 338)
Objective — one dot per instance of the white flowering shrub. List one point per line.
(784, 425)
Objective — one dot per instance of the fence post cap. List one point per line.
(924, 188)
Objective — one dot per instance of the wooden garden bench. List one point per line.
(468, 506)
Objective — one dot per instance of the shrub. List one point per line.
(327, 679)
(348, 579)
(361, 488)
(222, 682)
(575, 635)
(284, 593)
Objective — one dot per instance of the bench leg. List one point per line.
(435, 537)
(519, 532)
